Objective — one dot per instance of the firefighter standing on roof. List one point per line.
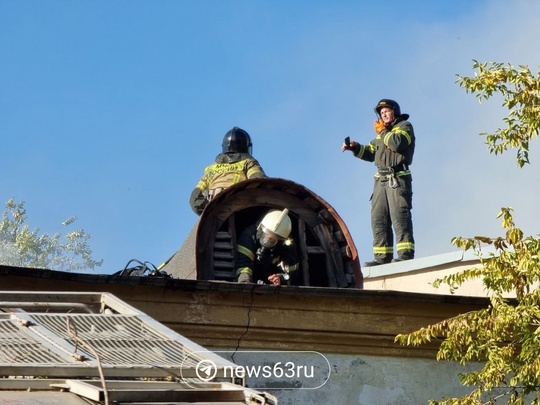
(233, 165)
(391, 203)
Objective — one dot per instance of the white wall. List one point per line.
(419, 274)
(366, 380)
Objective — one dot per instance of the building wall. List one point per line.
(418, 275)
(354, 329)
(368, 380)
(421, 281)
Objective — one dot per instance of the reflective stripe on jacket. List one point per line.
(391, 147)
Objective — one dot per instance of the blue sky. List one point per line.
(109, 110)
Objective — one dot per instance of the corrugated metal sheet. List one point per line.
(60, 343)
(51, 342)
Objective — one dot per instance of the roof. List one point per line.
(421, 275)
(416, 264)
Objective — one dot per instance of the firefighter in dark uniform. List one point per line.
(392, 152)
(265, 253)
(233, 165)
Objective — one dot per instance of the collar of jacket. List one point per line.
(232, 157)
(400, 118)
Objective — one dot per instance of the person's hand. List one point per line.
(351, 146)
(275, 279)
(379, 126)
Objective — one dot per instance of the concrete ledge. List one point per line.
(221, 314)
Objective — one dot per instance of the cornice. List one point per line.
(234, 316)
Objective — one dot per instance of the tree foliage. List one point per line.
(23, 247)
(521, 92)
(502, 340)
(505, 336)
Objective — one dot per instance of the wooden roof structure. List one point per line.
(327, 253)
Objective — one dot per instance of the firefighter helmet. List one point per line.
(237, 140)
(390, 104)
(277, 223)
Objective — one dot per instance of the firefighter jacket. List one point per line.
(228, 169)
(392, 150)
(255, 263)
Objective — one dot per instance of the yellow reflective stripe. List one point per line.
(202, 185)
(245, 251)
(227, 173)
(361, 151)
(370, 147)
(253, 171)
(399, 131)
(382, 250)
(399, 174)
(244, 270)
(405, 246)
(237, 177)
(219, 168)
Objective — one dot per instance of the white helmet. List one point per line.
(277, 222)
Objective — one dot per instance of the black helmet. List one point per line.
(237, 140)
(388, 103)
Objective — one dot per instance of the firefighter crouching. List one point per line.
(266, 254)
(392, 152)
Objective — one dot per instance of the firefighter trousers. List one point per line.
(391, 205)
